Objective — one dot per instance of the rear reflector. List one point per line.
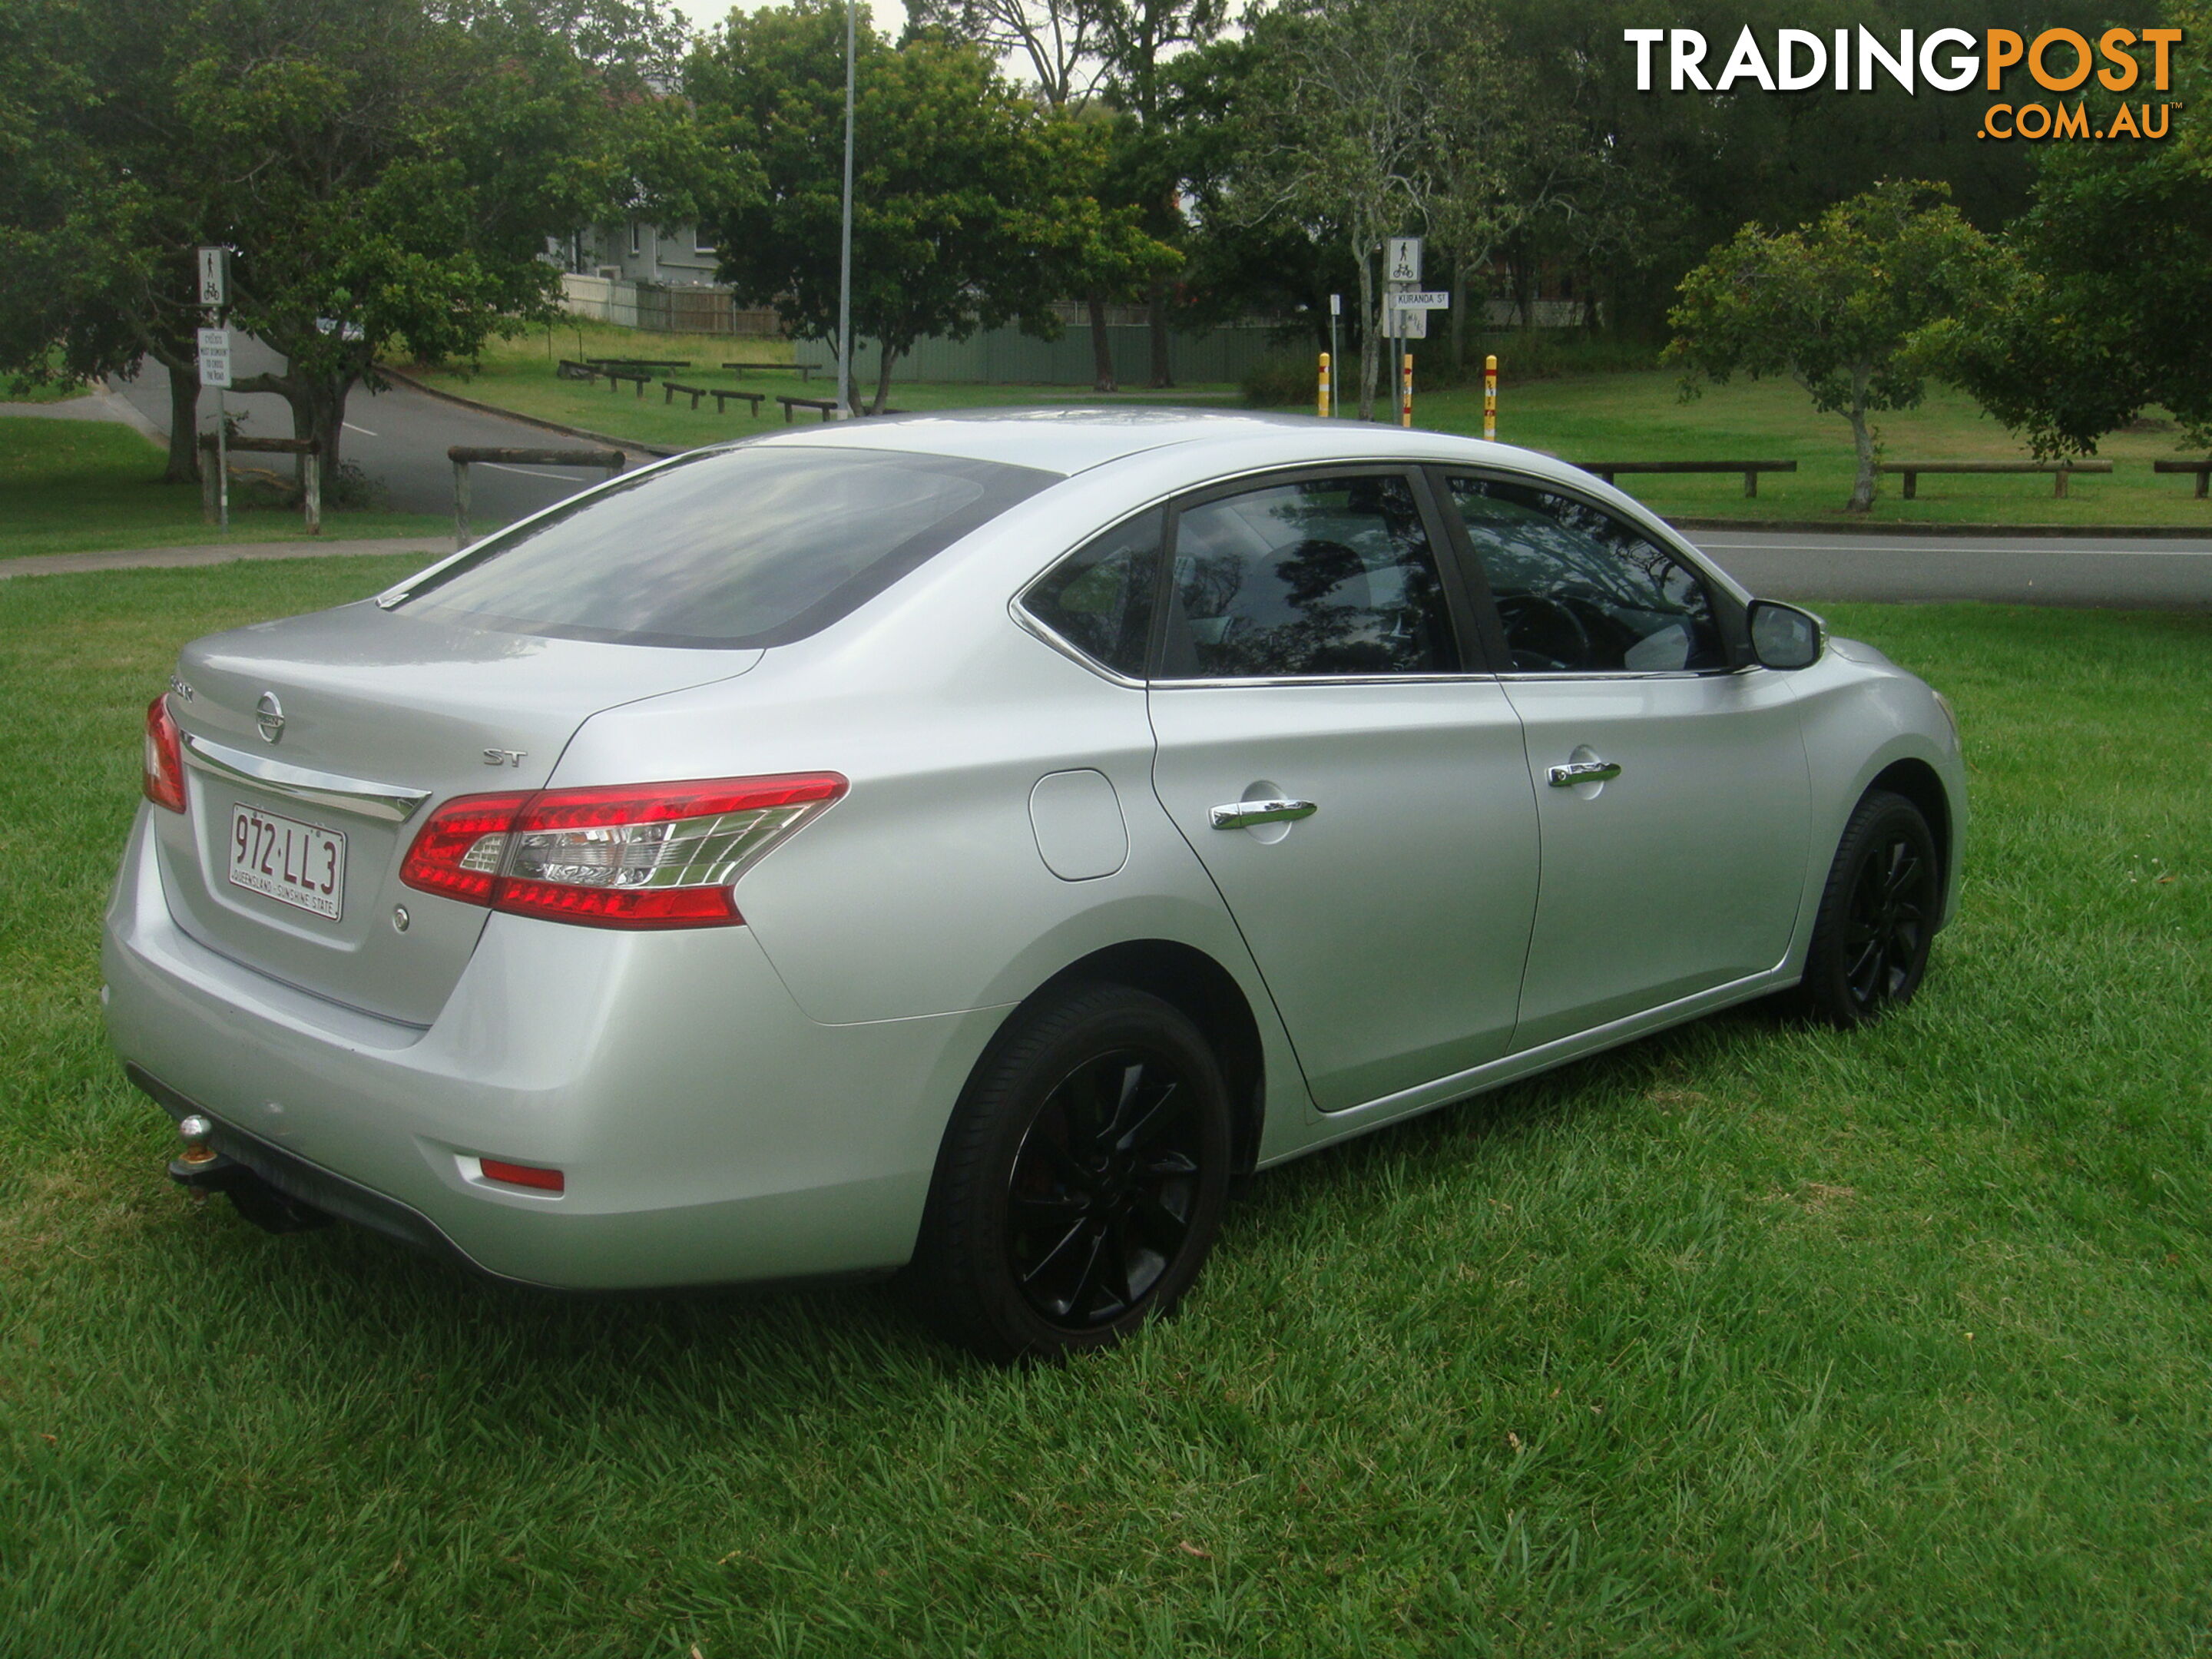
(644, 855)
(523, 1175)
(165, 757)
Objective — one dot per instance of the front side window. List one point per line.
(1579, 592)
(757, 545)
(1099, 598)
(1322, 576)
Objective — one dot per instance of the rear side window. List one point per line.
(758, 545)
(1099, 598)
(1322, 576)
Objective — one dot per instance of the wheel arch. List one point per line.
(1204, 991)
(1919, 783)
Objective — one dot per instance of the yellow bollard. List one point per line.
(1490, 399)
(1405, 391)
(1320, 394)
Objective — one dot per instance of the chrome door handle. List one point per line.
(1575, 772)
(1244, 814)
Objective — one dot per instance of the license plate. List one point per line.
(294, 863)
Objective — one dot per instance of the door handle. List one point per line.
(1590, 771)
(1244, 814)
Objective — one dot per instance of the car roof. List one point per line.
(1068, 441)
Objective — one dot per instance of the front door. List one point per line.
(1360, 798)
(1672, 793)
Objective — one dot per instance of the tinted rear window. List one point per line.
(758, 545)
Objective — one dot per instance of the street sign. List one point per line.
(214, 276)
(1422, 299)
(345, 331)
(1402, 260)
(215, 357)
(1410, 324)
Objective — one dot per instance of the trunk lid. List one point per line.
(384, 716)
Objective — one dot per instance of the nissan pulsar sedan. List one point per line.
(961, 844)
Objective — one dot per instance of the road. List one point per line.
(398, 438)
(2140, 573)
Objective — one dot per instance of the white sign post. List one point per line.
(214, 366)
(1336, 358)
(1408, 323)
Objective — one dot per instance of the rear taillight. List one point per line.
(643, 856)
(165, 757)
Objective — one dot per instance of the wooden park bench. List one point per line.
(309, 474)
(463, 456)
(2060, 471)
(1751, 470)
(827, 405)
(615, 377)
(2203, 469)
(804, 371)
(639, 363)
(721, 395)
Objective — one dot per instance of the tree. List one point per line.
(969, 209)
(1363, 111)
(2092, 307)
(1835, 305)
(386, 172)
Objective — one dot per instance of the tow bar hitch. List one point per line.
(201, 1170)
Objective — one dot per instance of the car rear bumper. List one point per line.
(707, 1131)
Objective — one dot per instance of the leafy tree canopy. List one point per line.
(1835, 305)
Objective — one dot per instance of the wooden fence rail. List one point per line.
(2059, 471)
(1751, 470)
(308, 474)
(464, 456)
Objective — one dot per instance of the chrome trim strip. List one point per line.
(386, 801)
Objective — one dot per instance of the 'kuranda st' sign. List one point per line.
(1945, 60)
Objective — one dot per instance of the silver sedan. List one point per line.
(960, 844)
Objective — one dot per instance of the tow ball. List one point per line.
(200, 1168)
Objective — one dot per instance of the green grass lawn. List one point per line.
(86, 486)
(1748, 1339)
(520, 374)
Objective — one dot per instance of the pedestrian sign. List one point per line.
(1402, 260)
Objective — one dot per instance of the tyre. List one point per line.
(1081, 1179)
(1877, 916)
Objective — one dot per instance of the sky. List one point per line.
(890, 15)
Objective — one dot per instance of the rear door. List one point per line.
(1671, 786)
(1356, 787)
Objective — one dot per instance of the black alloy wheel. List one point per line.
(1878, 915)
(1081, 1181)
(1104, 1188)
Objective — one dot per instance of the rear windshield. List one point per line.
(728, 549)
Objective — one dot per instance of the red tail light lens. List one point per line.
(646, 855)
(165, 757)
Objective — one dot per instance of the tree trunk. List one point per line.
(884, 378)
(1162, 368)
(1862, 441)
(1101, 347)
(184, 424)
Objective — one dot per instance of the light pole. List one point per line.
(845, 249)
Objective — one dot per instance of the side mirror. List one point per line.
(1782, 636)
